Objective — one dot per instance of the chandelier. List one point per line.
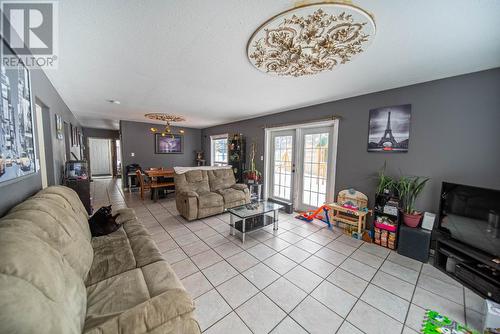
(168, 119)
(310, 39)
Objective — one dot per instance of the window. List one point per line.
(218, 150)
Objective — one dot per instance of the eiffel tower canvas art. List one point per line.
(389, 129)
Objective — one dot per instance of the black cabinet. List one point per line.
(82, 188)
(470, 266)
(386, 221)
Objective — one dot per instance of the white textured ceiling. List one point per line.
(188, 57)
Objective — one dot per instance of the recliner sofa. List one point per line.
(56, 279)
(201, 193)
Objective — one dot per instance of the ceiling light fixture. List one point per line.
(113, 101)
(168, 119)
(310, 39)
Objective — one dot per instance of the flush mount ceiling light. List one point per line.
(310, 39)
(113, 101)
(168, 119)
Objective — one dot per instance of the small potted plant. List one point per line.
(386, 185)
(409, 188)
(252, 174)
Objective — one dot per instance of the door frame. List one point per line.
(298, 148)
(40, 136)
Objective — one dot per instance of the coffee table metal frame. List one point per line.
(233, 221)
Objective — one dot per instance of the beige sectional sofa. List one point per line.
(201, 193)
(55, 278)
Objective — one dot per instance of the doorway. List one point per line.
(41, 144)
(300, 164)
(100, 157)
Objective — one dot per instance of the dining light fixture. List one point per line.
(168, 119)
(310, 39)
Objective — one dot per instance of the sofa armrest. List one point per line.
(239, 186)
(187, 204)
(169, 312)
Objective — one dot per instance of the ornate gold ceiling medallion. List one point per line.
(165, 117)
(310, 39)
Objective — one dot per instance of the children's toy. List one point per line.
(308, 216)
(435, 323)
(351, 210)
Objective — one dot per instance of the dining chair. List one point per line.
(142, 183)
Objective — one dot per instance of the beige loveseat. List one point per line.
(56, 279)
(201, 193)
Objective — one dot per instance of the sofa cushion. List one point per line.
(210, 200)
(137, 288)
(65, 231)
(127, 248)
(194, 180)
(67, 197)
(221, 179)
(232, 195)
(39, 291)
(158, 315)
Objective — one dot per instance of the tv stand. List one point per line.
(471, 267)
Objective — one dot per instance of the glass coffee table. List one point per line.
(251, 217)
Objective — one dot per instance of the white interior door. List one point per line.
(282, 165)
(100, 156)
(315, 172)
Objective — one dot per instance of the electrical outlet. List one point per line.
(261, 158)
(132, 154)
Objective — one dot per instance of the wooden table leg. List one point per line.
(360, 223)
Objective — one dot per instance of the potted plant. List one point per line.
(252, 174)
(409, 188)
(386, 185)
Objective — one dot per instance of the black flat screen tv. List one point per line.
(471, 215)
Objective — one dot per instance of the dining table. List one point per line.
(161, 179)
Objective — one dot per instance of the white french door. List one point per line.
(282, 165)
(301, 167)
(316, 169)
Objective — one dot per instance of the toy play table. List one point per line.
(349, 216)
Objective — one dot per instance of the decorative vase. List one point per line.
(412, 220)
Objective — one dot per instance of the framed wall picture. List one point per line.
(389, 129)
(168, 144)
(59, 128)
(17, 139)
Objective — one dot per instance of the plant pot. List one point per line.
(412, 220)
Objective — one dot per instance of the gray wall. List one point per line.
(100, 133)
(137, 138)
(43, 93)
(55, 150)
(15, 191)
(454, 136)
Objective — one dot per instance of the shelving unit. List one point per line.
(236, 155)
(386, 209)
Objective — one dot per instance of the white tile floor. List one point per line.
(302, 279)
